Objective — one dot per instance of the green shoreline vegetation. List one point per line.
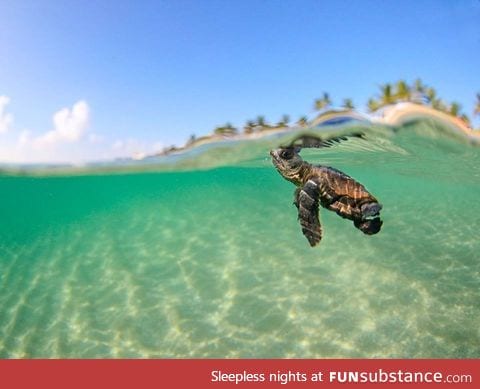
(390, 94)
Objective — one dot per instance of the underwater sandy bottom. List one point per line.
(213, 264)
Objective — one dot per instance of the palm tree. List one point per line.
(466, 119)
(248, 127)
(322, 103)
(284, 121)
(219, 130)
(230, 129)
(434, 101)
(431, 95)
(226, 130)
(302, 121)
(326, 99)
(386, 95)
(261, 121)
(419, 87)
(439, 105)
(191, 140)
(348, 104)
(319, 105)
(403, 91)
(477, 105)
(373, 105)
(454, 109)
(418, 91)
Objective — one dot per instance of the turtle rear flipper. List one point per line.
(370, 226)
(371, 209)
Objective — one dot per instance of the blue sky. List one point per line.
(90, 80)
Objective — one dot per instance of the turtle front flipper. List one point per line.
(306, 200)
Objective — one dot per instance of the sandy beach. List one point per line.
(392, 115)
(400, 113)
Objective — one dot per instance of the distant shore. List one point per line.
(400, 112)
(392, 115)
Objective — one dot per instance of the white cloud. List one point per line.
(69, 141)
(24, 138)
(69, 126)
(6, 119)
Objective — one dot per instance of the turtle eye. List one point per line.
(286, 154)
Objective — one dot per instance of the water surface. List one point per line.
(201, 255)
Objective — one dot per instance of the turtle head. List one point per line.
(288, 163)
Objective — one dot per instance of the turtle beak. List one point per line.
(274, 156)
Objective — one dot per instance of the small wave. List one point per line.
(361, 142)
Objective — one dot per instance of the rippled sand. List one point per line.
(213, 264)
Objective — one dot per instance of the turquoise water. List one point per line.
(176, 261)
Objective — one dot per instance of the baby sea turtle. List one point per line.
(329, 187)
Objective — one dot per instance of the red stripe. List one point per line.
(53, 374)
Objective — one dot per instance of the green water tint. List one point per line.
(212, 263)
